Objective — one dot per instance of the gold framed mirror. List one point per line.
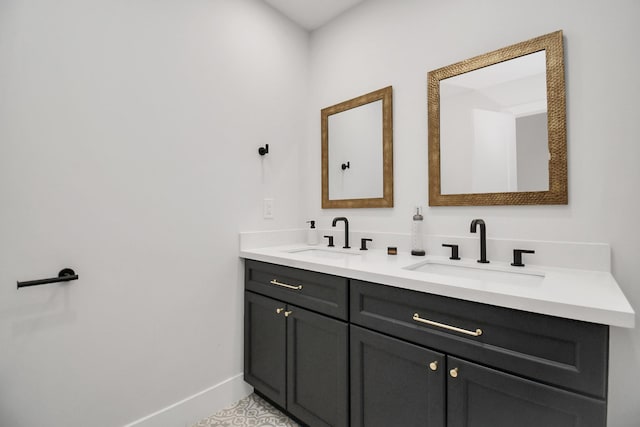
(357, 152)
(497, 127)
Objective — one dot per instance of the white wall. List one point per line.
(129, 133)
(381, 43)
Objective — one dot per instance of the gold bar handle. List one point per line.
(475, 333)
(284, 285)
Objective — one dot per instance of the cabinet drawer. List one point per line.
(562, 352)
(319, 292)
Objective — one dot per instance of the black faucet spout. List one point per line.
(483, 238)
(346, 229)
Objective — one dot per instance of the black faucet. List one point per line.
(363, 244)
(346, 229)
(330, 241)
(483, 239)
(517, 256)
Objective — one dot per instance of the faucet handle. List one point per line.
(363, 244)
(454, 250)
(517, 256)
(330, 241)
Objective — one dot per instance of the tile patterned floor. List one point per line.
(252, 411)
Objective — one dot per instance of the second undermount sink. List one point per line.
(485, 273)
(320, 253)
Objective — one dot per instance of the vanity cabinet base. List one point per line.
(566, 353)
(298, 359)
(396, 383)
(403, 358)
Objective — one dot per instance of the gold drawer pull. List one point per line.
(288, 313)
(475, 333)
(284, 285)
(433, 365)
(279, 310)
(454, 373)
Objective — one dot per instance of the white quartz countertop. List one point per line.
(592, 296)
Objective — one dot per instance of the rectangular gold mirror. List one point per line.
(357, 152)
(497, 127)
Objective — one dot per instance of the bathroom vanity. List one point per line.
(362, 338)
(336, 338)
(297, 341)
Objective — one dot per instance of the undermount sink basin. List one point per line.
(485, 273)
(324, 253)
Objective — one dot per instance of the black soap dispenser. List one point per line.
(312, 233)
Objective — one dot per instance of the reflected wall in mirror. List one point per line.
(497, 127)
(357, 152)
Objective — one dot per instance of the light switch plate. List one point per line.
(268, 208)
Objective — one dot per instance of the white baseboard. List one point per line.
(192, 409)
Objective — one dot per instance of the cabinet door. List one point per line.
(317, 376)
(481, 397)
(393, 383)
(264, 346)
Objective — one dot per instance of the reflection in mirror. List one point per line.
(357, 152)
(497, 127)
(494, 122)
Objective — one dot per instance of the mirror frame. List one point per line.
(556, 117)
(386, 201)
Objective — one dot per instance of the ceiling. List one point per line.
(312, 14)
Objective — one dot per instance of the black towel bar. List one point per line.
(65, 275)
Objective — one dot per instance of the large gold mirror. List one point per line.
(357, 152)
(497, 127)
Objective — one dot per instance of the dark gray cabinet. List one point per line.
(533, 370)
(265, 348)
(552, 350)
(408, 358)
(317, 368)
(395, 383)
(294, 356)
(479, 397)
